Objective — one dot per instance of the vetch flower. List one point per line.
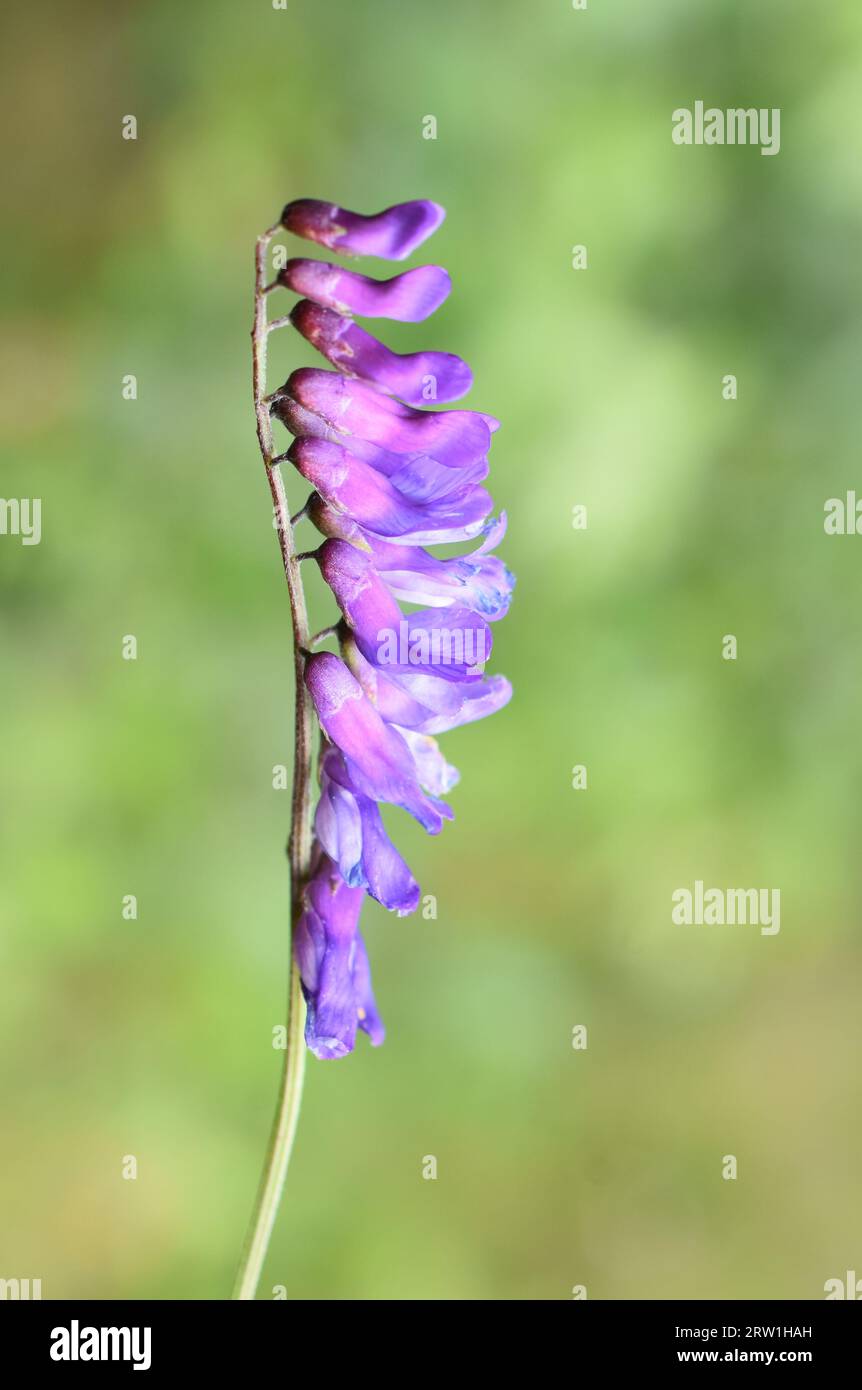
(356, 497)
(350, 827)
(333, 965)
(352, 407)
(391, 474)
(416, 377)
(377, 758)
(453, 641)
(478, 580)
(392, 234)
(407, 298)
(428, 704)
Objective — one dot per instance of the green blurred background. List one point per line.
(154, 777)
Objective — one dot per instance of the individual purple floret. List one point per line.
(391, 475)
(407, 298)
(393, 234)
(333, 965)
(417, 377)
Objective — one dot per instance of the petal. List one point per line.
(407, 298)
(375, 863)
(338, 827)
(479, 581)
(331, 1020)
(425, 703)
(452, 641)
(469, 702)
(366, 1009)
(436, 775)
(423, 479)
(416, 475)
(385, 692)
(392, 234)
(434, 528)
(363, 598)
(325, 950)
(417, 377)
(354, 409)
(494, 533)
(362, 496)
(378, 760)
(387, 876)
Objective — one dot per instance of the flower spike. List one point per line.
(391, 474)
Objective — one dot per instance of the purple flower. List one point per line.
(333, 965)
(356, 497)
(377, 758)
(353, 408)
(407, 298)
(390, 476)
(350, 828)
(417, 377)
(428, 704)
(478, 581)
(392, 234)
(454, 641)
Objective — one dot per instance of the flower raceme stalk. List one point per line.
(390, 476)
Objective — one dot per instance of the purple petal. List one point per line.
(338, 827)
(392, 234)
(439, 524)
(378, 760)
(387, 877)
(419, 477)
(417, 377)
(361, 496)
(425, 703)
(453, 437)
(363, 598)
(452, 641)
(469, 701)
(423, 479)
(479, 581)
(494, 534)
(350, 828)
(436, 775)
(386, 692)
(407, 298)
(366, 1009)
(325, 946)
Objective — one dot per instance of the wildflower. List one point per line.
(333, 963)
(389, 477)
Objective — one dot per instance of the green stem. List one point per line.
(300, 840)
(278, 1151)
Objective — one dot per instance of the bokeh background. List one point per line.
(154, 777)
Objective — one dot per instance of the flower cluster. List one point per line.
(389, 479)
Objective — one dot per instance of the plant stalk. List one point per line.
(300, 838)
